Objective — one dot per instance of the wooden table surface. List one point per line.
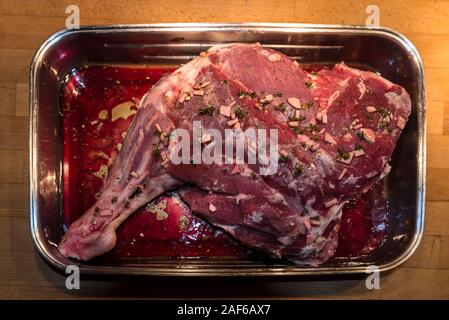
(25, 24)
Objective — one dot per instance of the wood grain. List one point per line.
(25, 24)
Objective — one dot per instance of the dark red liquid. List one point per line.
(91, 142)
(363, 224)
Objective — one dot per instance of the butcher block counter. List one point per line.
(24, 25)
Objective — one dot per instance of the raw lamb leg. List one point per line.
(137, 176)
(336, 132)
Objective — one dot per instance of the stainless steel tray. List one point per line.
(383, 50)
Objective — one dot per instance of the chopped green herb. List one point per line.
(313, 128)
(298, 130)
(156, 133)
(361, 135)
(243, 94)
(382, 125)
(156, 152)
(358, 147)
(280, 107)
(369, 116)
(390, 130)
(278, 94)
(384, 113)
(298, 169)
(308, 84)
(207, 111)
(225, 81)
(307, 105)
(239, 113)
(114, 199)
(283, 158)
(343, 154)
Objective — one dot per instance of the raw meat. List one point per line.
(337, 129)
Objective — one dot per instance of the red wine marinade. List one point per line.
(98, 103)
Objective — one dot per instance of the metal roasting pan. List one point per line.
(383, 50)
